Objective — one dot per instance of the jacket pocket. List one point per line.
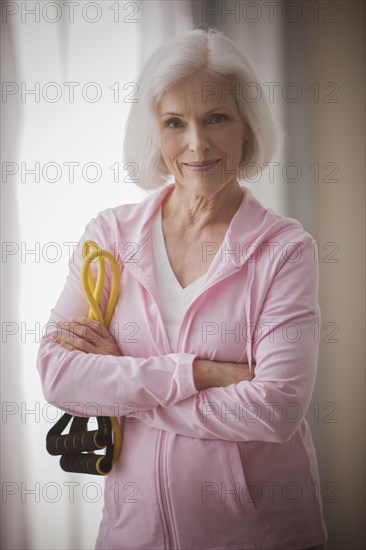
(246, 495)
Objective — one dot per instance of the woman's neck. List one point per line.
(195, 213)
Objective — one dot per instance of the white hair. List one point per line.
(196, 50)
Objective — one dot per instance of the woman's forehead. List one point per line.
(210, 92)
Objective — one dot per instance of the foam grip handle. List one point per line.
(76, 442)
(86, 464)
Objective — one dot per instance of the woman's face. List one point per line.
(199, 120)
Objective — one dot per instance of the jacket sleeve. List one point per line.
(104, 385)
(285, 350)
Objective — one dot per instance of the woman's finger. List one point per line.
(72, 342)
(87, 335)
(97, 326)
(90, 333)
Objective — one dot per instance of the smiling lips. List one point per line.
(197, 166)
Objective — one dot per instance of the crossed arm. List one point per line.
(187, 395)
(93, 337)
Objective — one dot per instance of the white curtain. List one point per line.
(12, 389)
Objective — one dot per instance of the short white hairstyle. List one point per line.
(213, 51)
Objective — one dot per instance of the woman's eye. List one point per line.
(171, 122)
(219, 116)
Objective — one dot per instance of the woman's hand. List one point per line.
(210, 374)
(87, 335)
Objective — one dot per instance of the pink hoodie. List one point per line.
(224, 468)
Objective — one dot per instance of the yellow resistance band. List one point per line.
(93, 293)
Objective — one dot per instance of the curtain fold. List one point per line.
(161, 21)
(13, 517)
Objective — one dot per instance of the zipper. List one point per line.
(168, 528)
(160, 451)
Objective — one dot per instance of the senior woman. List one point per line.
(211, 357)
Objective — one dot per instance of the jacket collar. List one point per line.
(250, 226)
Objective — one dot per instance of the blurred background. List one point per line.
(68, 79)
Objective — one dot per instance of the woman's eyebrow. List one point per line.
(170, 113)
(217, 108)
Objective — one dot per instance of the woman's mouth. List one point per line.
(199, 166)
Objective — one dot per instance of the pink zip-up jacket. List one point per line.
(223, 468)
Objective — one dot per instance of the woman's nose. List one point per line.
(198, 140)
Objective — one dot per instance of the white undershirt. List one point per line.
(173, 299)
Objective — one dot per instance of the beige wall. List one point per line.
(336, 52)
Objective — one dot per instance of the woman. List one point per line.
(211, 352)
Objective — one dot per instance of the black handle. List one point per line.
(76, 448)
(86, 464)
(78, 442)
